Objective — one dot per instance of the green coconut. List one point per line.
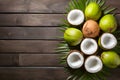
(93, 11)
(73, 36)
(108, 23)
(110, 59)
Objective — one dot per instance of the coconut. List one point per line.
(91, 29)
(75, 17)
(93, 64)
(88, 46)
(75, 59)
(73, 36)
(107, 41)
(93, 11)
(108, 23)
(110, 59)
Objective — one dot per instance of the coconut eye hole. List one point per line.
(75, 60)
(93, 64)
(108, 41)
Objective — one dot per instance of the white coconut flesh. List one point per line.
(108, 41)
(75, 17)
(93, 64)
(75, 60)
(89, 46)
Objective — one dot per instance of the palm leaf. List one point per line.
(107, 11)
(64, 49)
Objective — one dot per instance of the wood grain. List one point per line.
(28, 30)
(42, 46)
(29, 60)
(41, 73)
(41, 60)
(32, 73)
(9, 59)
(30, 19)
(41, 6)
(33, 6)
(31, 33)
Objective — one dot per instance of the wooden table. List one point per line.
(28, 30)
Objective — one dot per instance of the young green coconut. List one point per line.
(93, 11)
(75, 17)
(75, 59)
(93, 64)
(108, 23)
(88, 46)
(110, 59)
(107, 41)
(73, 36)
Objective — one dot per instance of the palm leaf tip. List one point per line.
(64, 48)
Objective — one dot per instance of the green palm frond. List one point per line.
(117, 35)
(81, 74)
(76, 4)
(105, 8)
(64, 48)
(81, 4)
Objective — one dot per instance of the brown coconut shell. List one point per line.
(91, 29)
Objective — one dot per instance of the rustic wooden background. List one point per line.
(28, 30)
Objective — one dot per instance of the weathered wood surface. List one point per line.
(43, 46)
(32, 73)
(40, 6)
(30, 60)
(28, 39)
(32, 33)
(41, 73)
(33, 20)
(30, 19)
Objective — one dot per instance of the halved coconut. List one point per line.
(75, 17)
(75, 59)
(93, 64)
(88, 46)
(107, 41)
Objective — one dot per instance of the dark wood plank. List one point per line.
(41, 60)
(115, 74)
(30, 33)
(41, 6)
(35, 73)
(41, 46)
(34, 20)
(12, 5)
(25, 60)
(9, 59)
(38, 73)
(33, 6)
(30, 19)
